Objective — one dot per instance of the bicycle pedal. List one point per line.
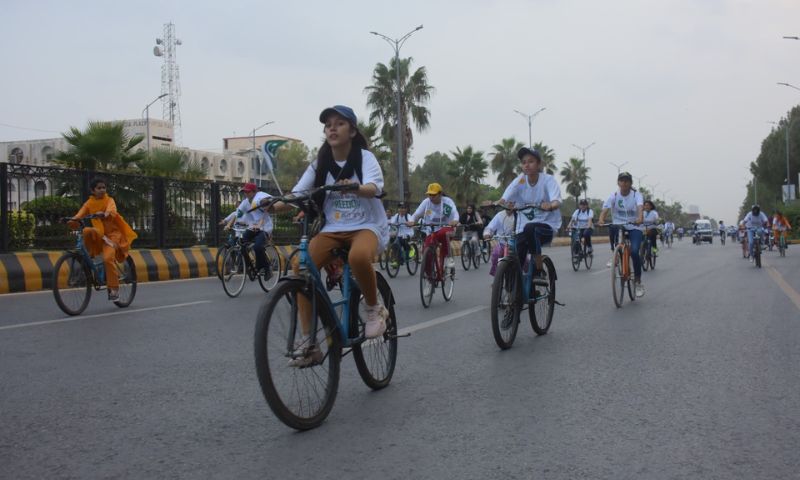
(403, 335)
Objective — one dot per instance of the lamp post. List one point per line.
(788, 127)
(146, 114)
(640, 179)
(619, 167)
(396, 45)
(583, 153)
(653, 189)
(255, 154)
(530, 123)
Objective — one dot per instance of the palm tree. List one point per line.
(101, 146)
(575, 175)
(548, 157)
(171, 163)
(379, 146)
(467, 170)
(504, 162)
(415, 92)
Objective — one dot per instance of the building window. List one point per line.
(40, 189)
(241, 168)
(47, 154)
(16, 155)
(223, 165)
(204, 164)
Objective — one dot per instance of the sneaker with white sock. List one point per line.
(639, 289)
(375, 325)
(450, 262)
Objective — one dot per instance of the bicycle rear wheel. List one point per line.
(427, 278)
(617, 279)
(476, 255)
(274, 269)
(300, 396)
(505, 306)
(466, 255)
(644, 256)
(588, 259)
(127, 282)
(393, 254)
(412, 262)
(757, 254)
(448, 281)
(375, 358)
(234, 272)
(486, 251)
(72, 288)
(219, 258)
(653, 261)
(544, 291)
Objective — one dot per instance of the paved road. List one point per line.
(699, 379)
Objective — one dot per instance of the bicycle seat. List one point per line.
(342, 253)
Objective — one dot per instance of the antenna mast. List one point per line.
(166, 47)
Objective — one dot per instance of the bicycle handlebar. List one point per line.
(299, 198)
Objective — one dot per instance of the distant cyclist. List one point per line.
(259, 224)
(627, 211)
(780, 225)
(754, 220)
(651, 224)
(439, 210)
(473, 223)
(502, 224)
(582, 220)
(722, 229)
(669, 229)
(400, 220)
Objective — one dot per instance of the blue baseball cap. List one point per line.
(342, 110)
(529, 151)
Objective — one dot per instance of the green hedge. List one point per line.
(20, 230)
(51, 209)
(55, 236)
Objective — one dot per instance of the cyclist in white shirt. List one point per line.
(501, 224)
(259, 223)
(400, 222)
(440, 211)
(627, 211)
(535, 227)
(582, 219)
(650, 218)
(669, 229)
(754, 220)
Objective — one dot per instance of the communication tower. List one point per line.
(167, 47)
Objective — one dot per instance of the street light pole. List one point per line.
(530, 123)
(640, 179)
(788, 127)
(619, 167)
(255, 154)
(146, 113)
(583, 151)
(396, 44)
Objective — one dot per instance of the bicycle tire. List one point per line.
(271, 357)
(72, 283)
(288, 262)
(644, 258)
(617, 280)
(448, 281)
(653, 257)
(505, 304)
(486, 251)
(127, 282)
(541, 312)
(427, 281)
(274, 260)
(375, 358)
(466, 255)
(234, 272)
(757, 254)
(576, 255)
(476, 255)
(393, 254)
(412, 263)
(588, 259)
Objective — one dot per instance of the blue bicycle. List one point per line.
(301, 335)
(75, 274)
(515, 289)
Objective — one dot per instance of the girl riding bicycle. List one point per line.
(650, 219)
(502, 224)
(534, 227)
(627, 211)
(110, 236)
(582, 219)
(354, 220)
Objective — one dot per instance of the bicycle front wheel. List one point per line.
(234, 273)
(298, 370)
(448, 282)
(219, 258)
(576, 255)
(486, 251)
(544, 294)
(757, 254)
(71, 286)
(505, 306)
(375, 357)
(588, 258)
(644, 256)
(412, 262)
(476, 255)
(274, 269)
(617, 279)
(653, 261)
(393, 254)
(427, 278)
(127, 282)
(466, 255)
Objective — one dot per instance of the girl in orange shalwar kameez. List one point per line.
(110, 235)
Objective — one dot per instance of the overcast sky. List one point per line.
(681, 90)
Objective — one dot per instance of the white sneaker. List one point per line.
(639, 289)
(450, 262)
(610, 262)
(375, 325)
(305, 355)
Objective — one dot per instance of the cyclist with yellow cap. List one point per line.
(441, 213)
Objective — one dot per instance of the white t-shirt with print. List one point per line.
(546, 189)
(253, 218)
(441, 214)
(759, 221)
(624, 209)
(403, 230)
(346, 211)
(650, 219)
(501, 224)
(581, 219)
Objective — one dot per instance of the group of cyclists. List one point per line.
(756, 225)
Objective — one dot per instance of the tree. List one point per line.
(466, 171)
(172, 163)
(575, 175)
(101, 146)
(415, 93)
(380, 148)
(434, 169)
(548, 157)
(291, 160)
(504, 162)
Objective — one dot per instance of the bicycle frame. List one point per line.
(512, 255)
(98, 274)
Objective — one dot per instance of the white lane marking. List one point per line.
(446, 318)
(784, 285)
(49, 291)
(121, 312)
